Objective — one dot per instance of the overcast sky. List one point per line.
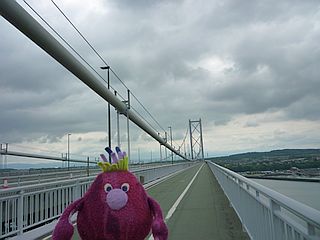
(249, 69)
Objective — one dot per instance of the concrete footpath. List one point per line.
(205, 212)
(195, 207)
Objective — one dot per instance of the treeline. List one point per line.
(271, 161)
(285, 154)
(271, 166)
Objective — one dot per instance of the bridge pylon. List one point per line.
(196, 140)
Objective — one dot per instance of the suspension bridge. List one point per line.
(200, 199)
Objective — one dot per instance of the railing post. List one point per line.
(77, 191)
(88, 167)
(20, 213)
(240, 183)
(311, 230)
(274, 207)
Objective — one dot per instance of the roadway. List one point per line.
(195, 207)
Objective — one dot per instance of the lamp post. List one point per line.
(118, 127)
(165, 149)
(128, 122)
(171, 143)
(160, 150)
(69, 151)
(109, 119)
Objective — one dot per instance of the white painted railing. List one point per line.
(60, 174)
(31, 179)
(26, 207)
(264, 213)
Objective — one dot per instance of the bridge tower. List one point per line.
(196, 140)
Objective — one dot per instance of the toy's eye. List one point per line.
(125, 187)
(108, 187)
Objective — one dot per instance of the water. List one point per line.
(305, 192)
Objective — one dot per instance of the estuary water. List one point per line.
(305, 192)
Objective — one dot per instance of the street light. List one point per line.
(69, 151)
(109, 120)
(171, 143)
(166, 140)
(160, 149)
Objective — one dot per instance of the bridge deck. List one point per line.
(203, 213)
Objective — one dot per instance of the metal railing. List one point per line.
(31, 179)
(60, 174)
(28, 207)
(264, 213)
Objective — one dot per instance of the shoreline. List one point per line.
(284, 178)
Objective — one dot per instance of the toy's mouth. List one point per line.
(116, 199)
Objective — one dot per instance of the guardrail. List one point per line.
(31, 179)
(264, 213)
(28, 207)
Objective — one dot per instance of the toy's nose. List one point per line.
(117, 199)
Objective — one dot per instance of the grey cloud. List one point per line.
(267, 37)
(307, 108)
(49, 139)
(103, 140)
(252, 123)
(55, 118)
(274, 69)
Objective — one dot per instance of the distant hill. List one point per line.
(272, 155)
(273, 160)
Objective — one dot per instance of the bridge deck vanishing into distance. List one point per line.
(200, 200)
(199, 210)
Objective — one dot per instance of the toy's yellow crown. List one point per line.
(121, 165)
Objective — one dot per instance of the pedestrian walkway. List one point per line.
(203, 213)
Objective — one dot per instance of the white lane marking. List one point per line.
(175, 205)
(177, 202)
(161, 180)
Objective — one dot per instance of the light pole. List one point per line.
(69, 151)
(109, 119)
(128, 122)
(171, 143)
(118, 127)
(160, 155)
(166, 140)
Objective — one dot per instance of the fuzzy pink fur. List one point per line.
(96, 220)
(159, 228)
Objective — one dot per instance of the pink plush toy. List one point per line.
(115, 207)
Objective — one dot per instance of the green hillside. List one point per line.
(271, 161)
